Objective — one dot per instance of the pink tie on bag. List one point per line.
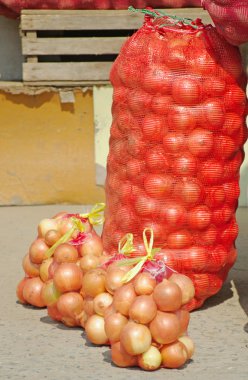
(230, 18)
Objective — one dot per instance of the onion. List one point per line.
(54, 313)
(32, 292)
(120, 357)
(135, 338)
(168, 296)
(95, 331)
(114, 324)
(109, 311)
(44, 269)
(165, 327)
(143, 309)
(70, 304)
(19, 290)
(183, 316)
(114, 279)
(46, 225)
(65, 225)
(31, 269)
(89, 262)
(123, 298)
(49, 293)
(70, 322)
(37, 251)
(82, 318)
(51, 237)
(65, 253)
(52, 268)
(189, 344)
(89, 306)
(150, 360)
(174, 355)
(185, 284)
(94, 282)
(92, 245)
(101, 302)
(68, 277)
(144, 284)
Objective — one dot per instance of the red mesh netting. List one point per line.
(176, 147)
(12, 8)
(230, 18)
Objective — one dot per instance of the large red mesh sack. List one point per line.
(14, 7)
(230, 18)
(176, 147)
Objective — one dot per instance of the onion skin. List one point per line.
(89, 306)
(19, 290)
(82, 319)
(165, 327)
(92, 245)
(49, 293)
(109, 311)
(46, 225)
(120, 357)
(37, 251)
(89, 262)
(53, 313)
(94, 282)
(144, 284)
(143, 309)
(44, 269)
(70, 304)
(51, 237)
(135, 338)
(168, 296)
(65, 253)
(114, 279)
(189, 344)
(52, 268)
(150, 360)
(123, 298)
(184, 317)
(68, 277)
(32, 292)
(101, 302)
(95, 331)
(185, 284)
(174, 355)
(30, 269)
(114, 324)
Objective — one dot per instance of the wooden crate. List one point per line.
(78, 47)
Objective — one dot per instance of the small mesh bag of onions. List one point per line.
(230, 18)
(176, 146)
(137, 305)
(66, 246)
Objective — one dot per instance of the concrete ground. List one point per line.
(34, 347)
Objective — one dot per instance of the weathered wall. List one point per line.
(47, 150)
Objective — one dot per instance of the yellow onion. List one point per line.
(46, 225)
(168, 296)
(89, 262)
(44, 269)
(95, 331)
(51, 237)
(174, 355)
(114, 279)
(37, 251)
(165, 327)
(143, 309)
(92, 245)
(120, 357)
(183, 316)
(30, 269)
(114, 324)
(101, 302)
(89, 306)
(189, 344)
(144, 284)
(185, 284)
(70, 304)
(65, 253)
(94, 282)
(32, 292)
(49, 293)
(68, 277)
(150, 360)
(123, 298)
(19, 290)
(135, 338)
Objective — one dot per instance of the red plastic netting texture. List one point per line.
(230, 18)
(176, 147)
(12, 8)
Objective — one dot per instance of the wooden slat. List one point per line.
(96, 19)
(66, 71)
(72, 46)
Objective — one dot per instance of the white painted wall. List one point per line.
(10, 50)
